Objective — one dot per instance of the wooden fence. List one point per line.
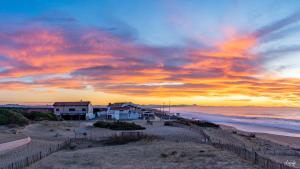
(30, 159)
(249, 155)
(252, 156)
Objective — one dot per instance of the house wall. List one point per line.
(133, 116)
(102, 114)
(113, 114)
(65, 110)
(90, 115)
(123, 115)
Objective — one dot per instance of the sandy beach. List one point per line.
(283, 140)
(155, 155)
(177, 147)
(277, 148)
(293, 142)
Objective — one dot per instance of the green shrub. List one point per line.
(39, 116)
(184, 121)
(12, 117)
(205, 124)
(21, 116)
(118, 125)
(199, 123)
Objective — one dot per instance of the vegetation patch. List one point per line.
(164, 155)
(12, 117)
(39, 116)
(188, 122)
(125, 139)
(247, 135)
(118, 125)
(205, 124)
(169, 123)
(21, 117)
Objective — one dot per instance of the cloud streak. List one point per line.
(114, 63)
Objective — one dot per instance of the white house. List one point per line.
(148, 114)
(123, 111)
(101, 112)
(82, 110)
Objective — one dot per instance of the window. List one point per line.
(57, 110)
(71, 109)
(83, 109)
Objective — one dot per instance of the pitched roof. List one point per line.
(122, 104)
(71, 103)
(117, 104)
(119, 108)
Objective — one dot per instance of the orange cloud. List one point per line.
(50, 58)
(235, 47)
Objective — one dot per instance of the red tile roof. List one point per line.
(71, 103)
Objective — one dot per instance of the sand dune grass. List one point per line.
(141, 155)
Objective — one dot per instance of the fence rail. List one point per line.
(243, 152)
(30, 159)
(249, 155)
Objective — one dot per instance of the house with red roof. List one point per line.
(82, 110)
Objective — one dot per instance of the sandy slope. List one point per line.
(183, 142)
(141, 155)
(284, 140)
(278, 148)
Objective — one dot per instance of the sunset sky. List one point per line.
(214, 52)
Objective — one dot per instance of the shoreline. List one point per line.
(278, 127)
(293, 142)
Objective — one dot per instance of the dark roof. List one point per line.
(122, 104)
(119, 108)
(71, 103)
(100, 109)
(117, 104)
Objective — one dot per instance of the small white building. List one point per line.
(123, 111)
(101, 112)
(82, 110)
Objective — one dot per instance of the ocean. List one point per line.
(280, 120)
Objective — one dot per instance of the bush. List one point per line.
(163, 155)
(252, 135)
(21, 117)
(118, 125)
(205, 124)
(184, 121)
(168, 123)
(199, 123)
(39, 116)
(12, 117)
(119, 140)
